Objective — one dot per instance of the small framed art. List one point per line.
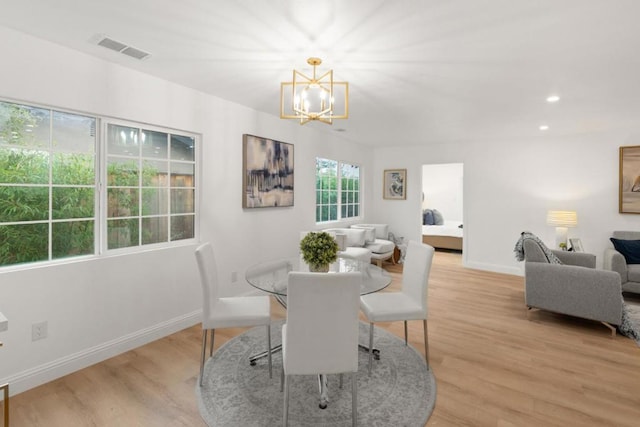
(576, 245)
(394, 185)
(629, 189)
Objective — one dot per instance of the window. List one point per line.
(50, 204)
(47, 184)
(150, 186)
(337, 190)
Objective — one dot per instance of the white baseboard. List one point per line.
(42, 374)
(516, 271)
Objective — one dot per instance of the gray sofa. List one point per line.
(575, 287)
(615, 261)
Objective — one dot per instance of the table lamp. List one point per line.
(562, 220)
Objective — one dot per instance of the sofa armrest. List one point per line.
(614, 261)
(574, 290)
(576, 258)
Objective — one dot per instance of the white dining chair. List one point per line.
(228, 312)
(410, 303)
(321, 332)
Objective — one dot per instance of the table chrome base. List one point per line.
(253, 359)
(376, 352)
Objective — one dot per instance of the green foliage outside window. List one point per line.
(335, 191)
(48, 188)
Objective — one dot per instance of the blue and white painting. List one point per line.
(268, 173)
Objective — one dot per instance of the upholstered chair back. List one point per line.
(321, 332)
(415, 273)
(208, 279)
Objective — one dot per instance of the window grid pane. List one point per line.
(47, 178)
(164, 200)
(337, 194)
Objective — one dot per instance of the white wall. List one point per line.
(104, 305)
(510, 185)
(442, 187)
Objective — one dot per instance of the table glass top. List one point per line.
(272, 276)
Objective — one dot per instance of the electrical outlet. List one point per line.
(234, 276)
(38, 331)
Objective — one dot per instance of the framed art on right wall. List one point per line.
(629, 191)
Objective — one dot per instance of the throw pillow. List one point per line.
(437, 217)
(427, 217)
(630, 249)
(369, 235)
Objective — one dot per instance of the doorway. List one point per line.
(442, 206)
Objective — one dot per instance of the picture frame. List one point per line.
(267, 173)
(394, 185)
(576, 245)
(629, 185)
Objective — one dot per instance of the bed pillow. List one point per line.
(438, 219)
(630, 249)
(427, 217)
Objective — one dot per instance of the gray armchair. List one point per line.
(575, 287)
(615, 261)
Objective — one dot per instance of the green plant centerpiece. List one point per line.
(319, 250)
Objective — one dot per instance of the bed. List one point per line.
(445, 236)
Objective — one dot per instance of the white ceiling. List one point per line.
(422, 71)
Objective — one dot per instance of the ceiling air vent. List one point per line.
(122, 48)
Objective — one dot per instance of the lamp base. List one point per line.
(561, 238)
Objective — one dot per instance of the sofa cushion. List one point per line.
(438, 219)
(427, 217)
(361, 254)
(354, 236)
(630, 249)
(369, 235)
(381, 246)
(382, 230)
(633, 272)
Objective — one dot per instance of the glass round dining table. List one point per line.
(273, 276)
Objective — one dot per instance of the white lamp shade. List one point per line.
(562, 218)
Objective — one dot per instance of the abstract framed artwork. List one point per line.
(267, 167)
(629, 188)
(394, 185)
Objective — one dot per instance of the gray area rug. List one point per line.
(633, 313)
(399, 392)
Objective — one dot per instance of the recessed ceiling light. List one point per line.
(553, 98)
(543, 127)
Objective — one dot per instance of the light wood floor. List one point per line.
(493, 367)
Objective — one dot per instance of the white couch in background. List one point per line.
(376, 240)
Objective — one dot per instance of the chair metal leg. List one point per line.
(211, 346)
(5, 404)
(341, 375)
(406, 334)
(282, 379)
(370, 346)
(268, 349)
(426, 343)
(354, 399)
(285, 417)
(204, 350)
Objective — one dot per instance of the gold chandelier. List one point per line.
(314, 98)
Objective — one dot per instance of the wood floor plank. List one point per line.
(495, 365)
